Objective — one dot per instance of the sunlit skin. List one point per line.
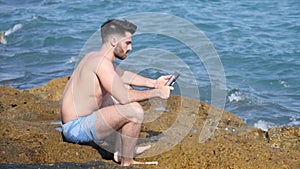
(123, 47)
(98, 86)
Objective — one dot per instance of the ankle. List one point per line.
(126, 161)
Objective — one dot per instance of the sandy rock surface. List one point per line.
(183, 132)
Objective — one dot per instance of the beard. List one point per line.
(120, 53)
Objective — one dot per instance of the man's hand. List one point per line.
(161, 81)
(164, 91)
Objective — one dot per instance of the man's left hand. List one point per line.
(161, 81)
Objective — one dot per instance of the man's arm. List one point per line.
(112, 82)
(135, 79)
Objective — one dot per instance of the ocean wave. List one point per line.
(59, 41)
(294, 120)
(13, 29)
(73, 59)
(10, 31)
(50, 2)
(264, 125)
(235, 96)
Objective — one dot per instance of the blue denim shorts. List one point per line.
(81, 130)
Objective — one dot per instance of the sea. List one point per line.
(251, 46)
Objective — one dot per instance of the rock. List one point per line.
(285, 137)
(52, 90)
(184, 133)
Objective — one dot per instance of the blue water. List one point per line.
(257, 42)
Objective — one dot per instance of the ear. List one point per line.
(113, 41)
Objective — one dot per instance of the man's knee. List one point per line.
(137, 107)
(138, 113)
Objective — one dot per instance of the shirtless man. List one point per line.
(99, 101)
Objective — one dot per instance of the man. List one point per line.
(88, 110)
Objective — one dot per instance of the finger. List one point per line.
(171, 87)
(167, 76)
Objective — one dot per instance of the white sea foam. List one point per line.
(236, 96)
(283, 83)
(8, 32)
(72, 60)
(35, 17)
(13, 29)
(264, 125)
(295, 118)
(295, 121)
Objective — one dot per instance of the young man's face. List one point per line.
(123, 46)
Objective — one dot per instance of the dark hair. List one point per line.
(115, 26)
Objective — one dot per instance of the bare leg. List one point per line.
(130, 133)
(118, 148)
(128, 119)
(109, 101)
(129, 139)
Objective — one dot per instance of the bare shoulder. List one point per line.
(103, 65)
(96, 62)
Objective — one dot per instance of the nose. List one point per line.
(129, 48)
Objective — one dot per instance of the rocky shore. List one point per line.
(30, 136)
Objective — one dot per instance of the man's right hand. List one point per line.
(164, 91)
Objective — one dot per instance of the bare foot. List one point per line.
(117, 157)
(138, 150)
(141, 149)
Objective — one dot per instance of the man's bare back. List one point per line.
(84, 88)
